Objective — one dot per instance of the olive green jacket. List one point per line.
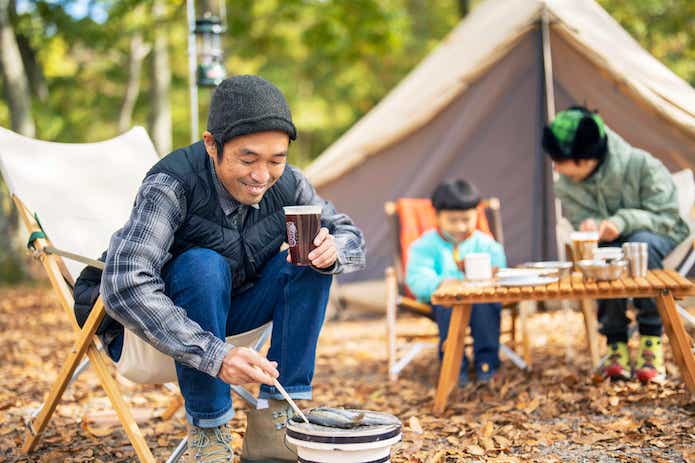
(631, 188)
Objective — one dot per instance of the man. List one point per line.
(626, 195)
(199, 259)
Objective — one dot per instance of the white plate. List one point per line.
(526, 281)
(505, 273)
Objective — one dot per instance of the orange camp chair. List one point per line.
(410, 218)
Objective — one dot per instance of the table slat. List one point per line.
(565, 286)
(617, 286)
(654, 281)
(539, 290)
(501, 291)
(682, 281)
(629, 283)
(591, 287)
(666, 278)
(604, 286)
(514, 292)
(553, 288)
(578, 284)
(642, 283)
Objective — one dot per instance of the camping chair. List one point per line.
(71, 198)
(409, 219)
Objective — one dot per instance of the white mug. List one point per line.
(478, 266)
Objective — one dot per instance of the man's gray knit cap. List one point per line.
(242, 105)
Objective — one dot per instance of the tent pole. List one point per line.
(550, 112)
(548, 67)
(192, 78)
(550, 115)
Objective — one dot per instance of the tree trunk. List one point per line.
(464, 7)
(19, 103)
(138, 51)
(37, 81)
(160, 79)
(14, 77)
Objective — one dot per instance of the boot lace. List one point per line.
(219, 451)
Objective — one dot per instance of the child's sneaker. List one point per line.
(485, 373)
(650, 361)
(617, 365)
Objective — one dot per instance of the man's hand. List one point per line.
(588, 225)
(325, 254)
(239, 367)
(607, 231)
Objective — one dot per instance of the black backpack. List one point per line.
(85, 293)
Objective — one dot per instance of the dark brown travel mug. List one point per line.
(303, 224)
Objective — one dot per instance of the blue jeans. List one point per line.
(611, 312)
(485, 329)
(293, 297)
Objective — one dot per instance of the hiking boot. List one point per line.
(209, 445)
(264, 441)
(650, 361)
(617, 365)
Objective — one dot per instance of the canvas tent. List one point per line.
(475, 108)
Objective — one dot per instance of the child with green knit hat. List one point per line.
(626, 195)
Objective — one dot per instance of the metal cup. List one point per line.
(637, 255)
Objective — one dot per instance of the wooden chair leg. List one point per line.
(391, 309)
(79, 349)
(122, 409)
(678, 338)
(524, 307)
(515, 315)
(86, 345)
(591, 329)
(451, 366)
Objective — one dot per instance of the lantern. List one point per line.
(208, 30)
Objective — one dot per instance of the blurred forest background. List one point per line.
(87, 70)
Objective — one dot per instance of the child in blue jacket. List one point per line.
(434, 258)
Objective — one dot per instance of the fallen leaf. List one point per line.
(488, 429)
(532, 406)
(414, 424)
(475, 450)
(436, 457)
(98, 432)
(487, 443)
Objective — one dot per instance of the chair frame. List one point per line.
(85, 344)
(88, 344)
(395, 299)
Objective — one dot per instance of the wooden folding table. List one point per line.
(663, 285)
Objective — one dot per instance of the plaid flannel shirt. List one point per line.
(132, 286)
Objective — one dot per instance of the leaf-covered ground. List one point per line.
(553, 414)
